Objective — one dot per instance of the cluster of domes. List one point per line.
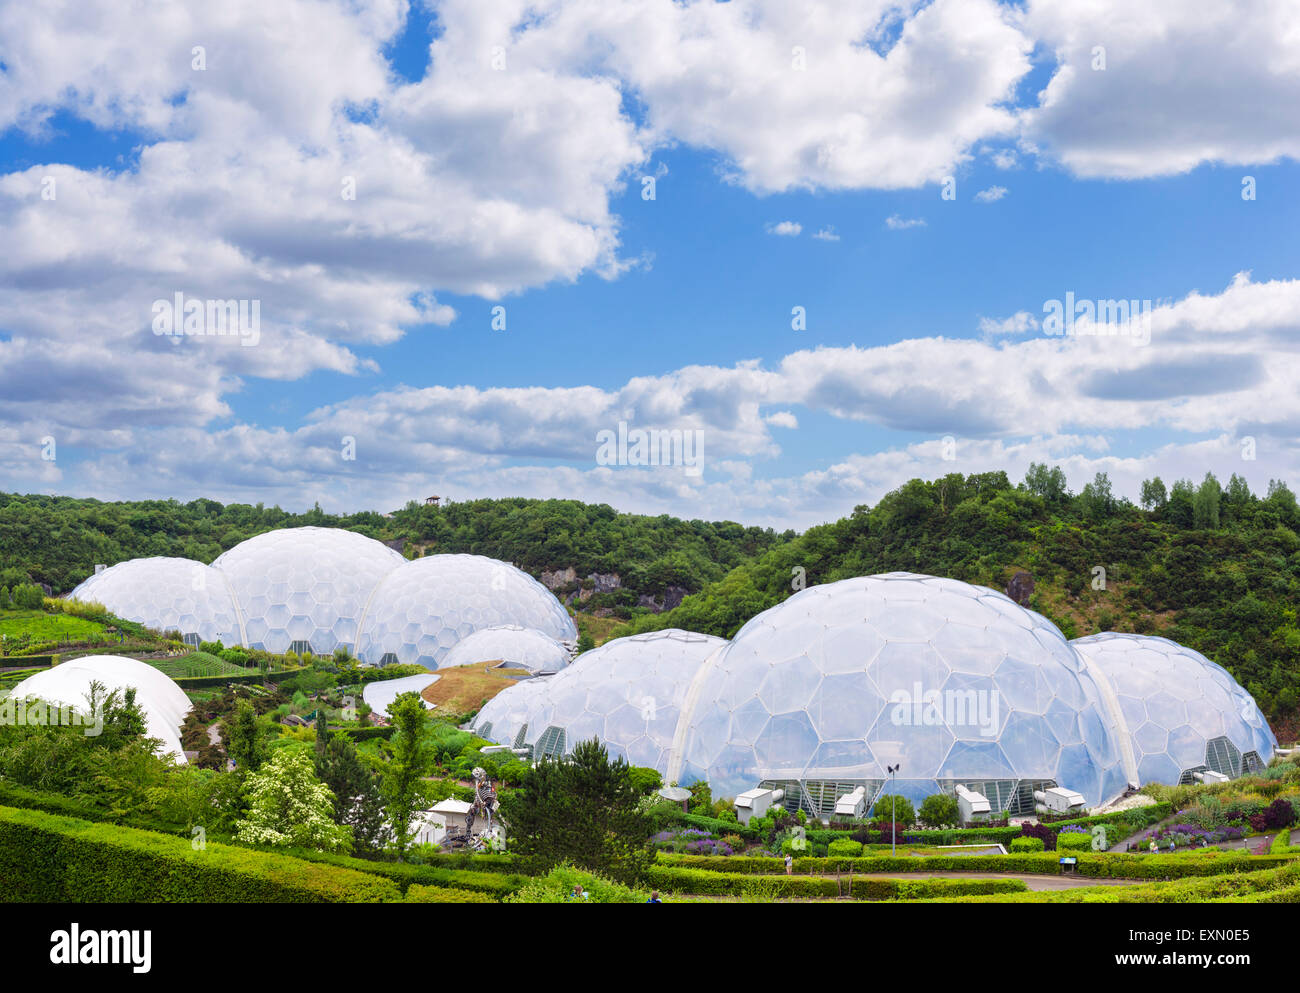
(944, 682)
(313, 589)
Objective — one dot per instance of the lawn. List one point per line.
(43, 627)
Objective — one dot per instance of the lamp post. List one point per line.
(893, 832)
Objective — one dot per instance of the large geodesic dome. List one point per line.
(952, 683)
(305, 589)
(423, 608)
(627, 694)
(1174, 711)
(512, 645)
(163, 703)
(167, 594)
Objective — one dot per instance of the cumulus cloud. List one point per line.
(992, 194)
(826, 234)
(1157, 88)
(896, 223)
(1021, 322)
(785, 229)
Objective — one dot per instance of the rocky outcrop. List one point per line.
(573, 589)
(1021, 588)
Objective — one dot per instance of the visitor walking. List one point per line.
(789, 863)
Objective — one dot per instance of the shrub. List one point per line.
(418, 893)
(844, 847)
(901, 808)
(1026, 845)
(1042, 832)
(939, 809)
(1073, 841)
(557, 887)
(1280, 814)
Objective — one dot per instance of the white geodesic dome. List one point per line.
(627, 694)
(163, 702)
(423, 608)
(167, 594)
(511, 644)
(1178, 712)
(504, 718)
(305, 587)
(951, 682)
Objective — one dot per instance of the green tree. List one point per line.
(411, 759)
(582, 810)
(289, 806)
(1096, 502)
(1205, 503)
(245, 739)
(1050, 484)
(901, 806)
(357, 802)
(1153, 495)
(938, 809)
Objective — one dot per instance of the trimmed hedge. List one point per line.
(49, 858)
(405, 874)
(1096, 864)
(418, 893)
(930, 889)
(14, 795)
(1025, 845)
(701, 882)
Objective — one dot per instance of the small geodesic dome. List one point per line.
(167, 594)
(1175, 712)
(627, 694)
(424, 607)
(509, 644)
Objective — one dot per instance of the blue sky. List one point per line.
(520, 186)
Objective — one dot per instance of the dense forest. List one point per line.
(57, 541)
(1212, 566)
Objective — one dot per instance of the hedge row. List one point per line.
(673, 879)
(417, 893)
(49, 858)
(405, 874)
(1101, 865)
(1271, 885)
(13, 795)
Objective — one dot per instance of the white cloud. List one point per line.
(897, 223)
(992, 194)
(785, 229)
(1021, 322)
(1182, 85)
(826, 234)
